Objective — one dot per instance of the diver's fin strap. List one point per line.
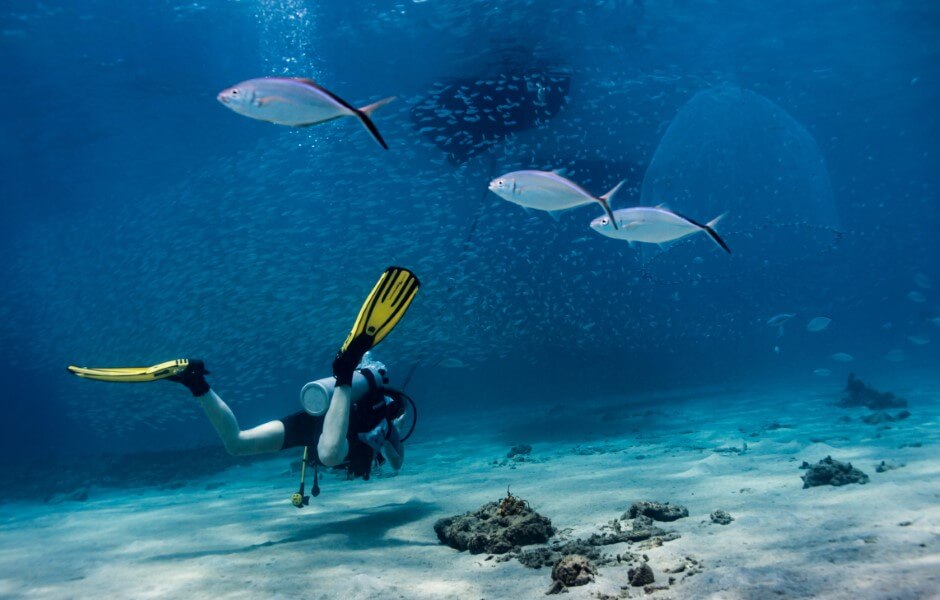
(132, 374)
(385, 305)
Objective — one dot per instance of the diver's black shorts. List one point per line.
(301, 429)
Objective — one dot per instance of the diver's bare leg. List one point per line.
(268, 437)
(333, 446)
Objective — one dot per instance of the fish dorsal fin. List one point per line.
(663, 206)
(308, 81)
(562, 172)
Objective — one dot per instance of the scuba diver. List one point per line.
(350, 420)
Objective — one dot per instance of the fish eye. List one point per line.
(500, 182)
(234, 92)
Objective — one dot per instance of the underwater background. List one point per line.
(685, 422)
(143, 222)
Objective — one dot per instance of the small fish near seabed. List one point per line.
(842, 357)
(296, 102)
(654, 225)
(548, 191)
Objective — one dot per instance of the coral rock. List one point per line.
(573, 570)
(831, 472)
(658, 511)
(643, 575)
(495, 528)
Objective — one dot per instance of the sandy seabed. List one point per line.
(235, 534)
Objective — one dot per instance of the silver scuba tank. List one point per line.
(315, 396)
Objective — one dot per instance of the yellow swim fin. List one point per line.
(385, 306)
(133, 374)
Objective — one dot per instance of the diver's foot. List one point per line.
(193, 377)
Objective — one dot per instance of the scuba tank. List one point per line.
(315, 396)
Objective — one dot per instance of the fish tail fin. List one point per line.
(714, 222)
(364, 115)
(710, 230)
(605, 202)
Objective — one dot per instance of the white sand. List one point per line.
(375, 539)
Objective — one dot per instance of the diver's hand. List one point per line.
(376, 438)
(346, 361)
(194, 377)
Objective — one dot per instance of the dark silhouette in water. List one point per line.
(859, 394)
(467, 116)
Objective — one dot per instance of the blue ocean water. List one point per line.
(142, 221)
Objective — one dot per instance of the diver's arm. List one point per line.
(332, 446)
(394, 450)
(268, 437)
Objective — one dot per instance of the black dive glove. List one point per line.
(346, 361)
(193, 377)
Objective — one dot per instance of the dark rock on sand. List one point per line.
(642, 575)
(858, 394)
(658, 511)
(520, 450)
(570, 571)
(831, 472)
(721, 517)
(879, 417)
(537, 558)
(495, 528)
(640, 529)
(887, 465)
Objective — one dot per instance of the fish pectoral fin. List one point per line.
(555, 214)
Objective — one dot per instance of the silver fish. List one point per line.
(779, 321)
(547, 190)
(297, 102)
(654, 225)
(818, 324)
